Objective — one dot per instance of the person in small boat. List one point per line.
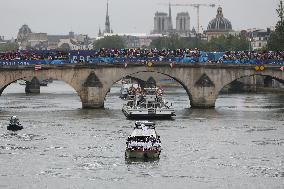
(14, 120)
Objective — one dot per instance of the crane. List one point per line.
(197, 6)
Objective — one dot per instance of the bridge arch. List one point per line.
(132, 74)
(275, 77)
(6, 80)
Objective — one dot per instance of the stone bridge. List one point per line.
(92, 82)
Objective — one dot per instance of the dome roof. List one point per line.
(24, 31)
(219, 23)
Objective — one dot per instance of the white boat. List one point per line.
(41, 83)
(148, 105)
(22, 82)
(143, 143)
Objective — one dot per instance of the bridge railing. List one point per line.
(88, 57)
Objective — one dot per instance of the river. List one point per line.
(239, 144)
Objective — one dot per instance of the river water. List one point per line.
(239, 144)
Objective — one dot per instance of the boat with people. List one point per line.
(14, 124)
(41, 83)
(22, 82)
(144, 142)
(148, 103)
(44, 82)
(126, 87)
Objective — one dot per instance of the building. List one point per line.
(183, 24)
(163, 23)
(259, 38)
(2, 40)
(219, 26)
(37, 41)
(23, 33)
(42, 41)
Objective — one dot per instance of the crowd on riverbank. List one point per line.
(142, 55)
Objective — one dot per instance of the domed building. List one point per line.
(218, 26)
(24, 32)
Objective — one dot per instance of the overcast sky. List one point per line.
(126, 16)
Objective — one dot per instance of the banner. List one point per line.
(30, 62)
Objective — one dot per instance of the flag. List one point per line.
(37, 67)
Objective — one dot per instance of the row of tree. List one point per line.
(222, 43)
(4, 47)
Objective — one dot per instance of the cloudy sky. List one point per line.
(126, 16)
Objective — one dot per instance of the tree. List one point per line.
(110, 42)
(228, 43)
(196, 42)
(276, 39)
(222, 43)
(8, 47)
(171, 42)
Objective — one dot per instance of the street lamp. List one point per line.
(250, 44)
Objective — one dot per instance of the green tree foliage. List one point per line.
(196, 42)
(228, 43)
(110, 42)
(171, 42)
(176, 42)
(4, 47)
(276, 40)
(222, 43)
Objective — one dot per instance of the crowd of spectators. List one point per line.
(146, 53)
(143, 53)
(34, 55)
(252, 55)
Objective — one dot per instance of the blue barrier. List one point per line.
(87, 56)
(30, 62)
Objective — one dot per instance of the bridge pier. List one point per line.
(203, 98)
(203, 93)
(92, 97)
(33, 86)
(92, 93)
(202, 103)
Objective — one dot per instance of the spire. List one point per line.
(100, 32)
(170, 10)
(107, 9)
(170, 17)
(107, 23)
